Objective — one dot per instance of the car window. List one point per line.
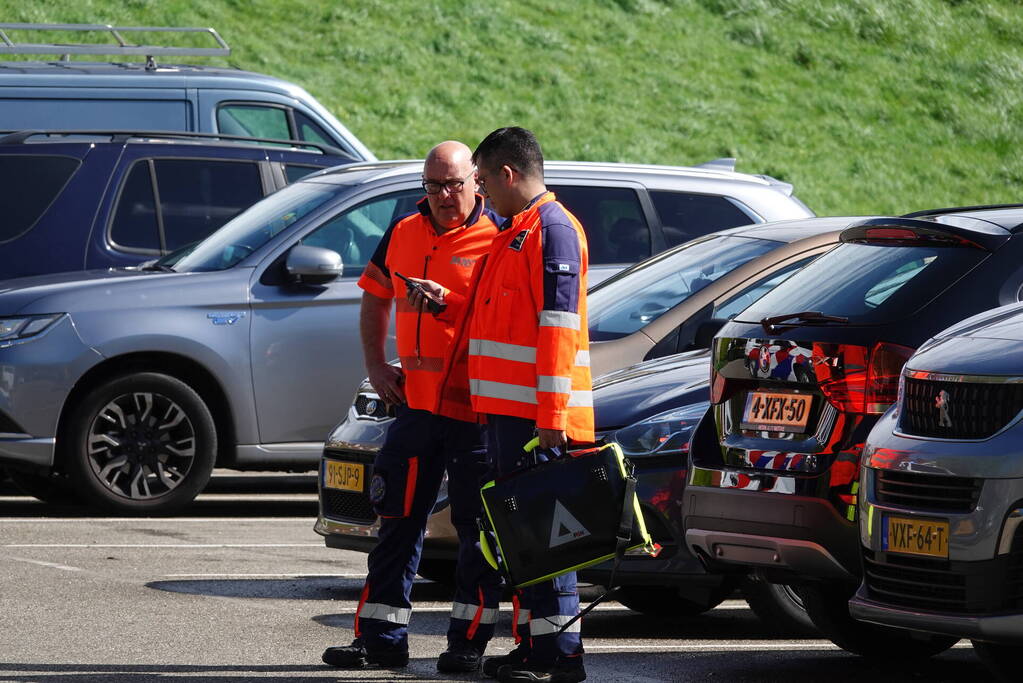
(253, 120)
(616, 228)
(355, 233)
(294, 172)
(30, 184)
(687, 216)
(135, 225)
(308, 130)
(868, 283)
(256, 226)
(197, 196)
(728, 309)
(641, 294)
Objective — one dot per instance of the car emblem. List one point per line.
(225, 318)
(941, 402)
(371, 406)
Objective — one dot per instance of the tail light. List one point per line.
(859, 380)
(717, 386)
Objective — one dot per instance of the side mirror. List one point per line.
(313, 265)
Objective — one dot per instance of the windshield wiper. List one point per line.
(806, 317)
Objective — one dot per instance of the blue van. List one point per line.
(79, 95)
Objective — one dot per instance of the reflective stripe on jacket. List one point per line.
(523, 334)
(412, 247)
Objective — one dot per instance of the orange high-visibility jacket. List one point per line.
(523, 342)
(412, 247)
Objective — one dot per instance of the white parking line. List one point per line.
(163, 545)
(153, 520)
(721, 646)
(51, 565)
(264, 576)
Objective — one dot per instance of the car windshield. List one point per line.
(252, 228)
(869, 284)
(643, 293)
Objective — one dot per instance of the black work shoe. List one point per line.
(565, 671)
(458, 658)
(356, 656)
(514, 658)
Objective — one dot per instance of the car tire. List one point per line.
(779, 606)
(828, 607)
(48, 488)
(1001, 660)
(143, 443)
(666, 601)
(438, 571)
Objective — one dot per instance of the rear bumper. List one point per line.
(1002, 628)
(796, 534)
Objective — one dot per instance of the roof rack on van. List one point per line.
(123, 47)
(959, 209)
(22, 136)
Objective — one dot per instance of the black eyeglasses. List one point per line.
(452, 186)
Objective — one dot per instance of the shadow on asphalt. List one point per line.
(324, 587)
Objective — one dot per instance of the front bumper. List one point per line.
(1002, 628)
(36, 376)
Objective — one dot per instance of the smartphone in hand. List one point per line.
(431, 305)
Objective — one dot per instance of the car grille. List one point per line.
(985, 587)
(975, 410)
(927, 491)
(349, 506)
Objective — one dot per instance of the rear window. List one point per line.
(616, 228)
(688, 216)
(869, 284)
(30, 184)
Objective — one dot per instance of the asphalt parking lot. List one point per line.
(241, 588)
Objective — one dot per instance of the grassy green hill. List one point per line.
(865, 105)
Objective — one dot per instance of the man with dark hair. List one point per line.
(443, 239)
(522, 341)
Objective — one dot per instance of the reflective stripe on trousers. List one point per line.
(542, 626)
(394, 615)
(461, 610)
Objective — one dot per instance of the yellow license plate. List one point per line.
(916, 536)
(776, 411)
(347, 476)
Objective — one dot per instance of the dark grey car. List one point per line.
(130, 385)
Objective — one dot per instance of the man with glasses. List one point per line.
(441, 241)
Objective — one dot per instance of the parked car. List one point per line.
(250, 337)
(942, 485)
(144, 95)
(649, 408)
(798, 380)
(102, 200)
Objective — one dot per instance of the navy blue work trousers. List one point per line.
(551, 604)
(407, 474)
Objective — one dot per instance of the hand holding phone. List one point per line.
(410, 286)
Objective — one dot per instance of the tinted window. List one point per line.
(640, 295)
(254, 121)
(729, 308)
(869, 284)
(307, 130)
(688, 216)
(30, 184)
(294, 172)
(355, 233)
(198, 196)
(93, 114)
(616, 229)
(135, 225)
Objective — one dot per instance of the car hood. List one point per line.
(625, 396)
(118, 288)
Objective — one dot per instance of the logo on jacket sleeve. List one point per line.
(516, 243)
(565, 528)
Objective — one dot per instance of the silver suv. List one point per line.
(941, 515)
(130, 385)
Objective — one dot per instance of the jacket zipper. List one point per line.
(419, 315)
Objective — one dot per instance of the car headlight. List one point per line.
(26, 326)
(662, 434)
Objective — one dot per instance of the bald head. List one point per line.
(448, 163)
